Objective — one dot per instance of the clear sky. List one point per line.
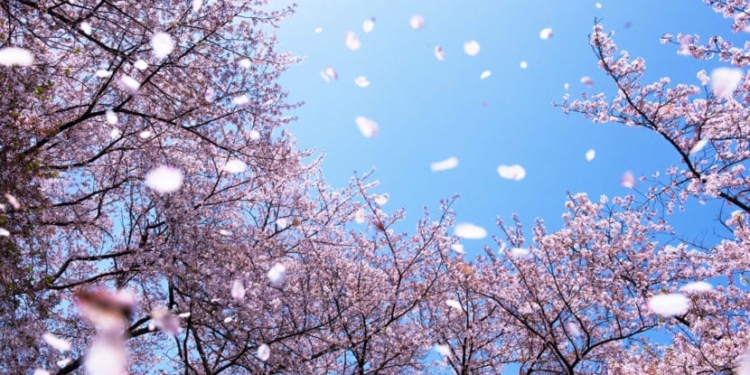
(428, 110)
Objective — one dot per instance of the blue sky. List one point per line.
(429, 110)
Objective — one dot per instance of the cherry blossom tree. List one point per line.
(157, 219)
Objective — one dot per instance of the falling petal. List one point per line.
(241, 100)
(162, 44)
(164, 179)
(444, 350)
(416, 22)
(628, 180)
(4, 232)
(101, 73)
(228, 319)
(697, 286)
(56, 342)
(210, 95)
(669, 304)
(725, 80)
(128, 83)
(519, 252)
(471, 48)
(64, 362)
(325, 76)
(282, 223)
(235, 166)
(277, 273)
(111, 117)
(105, 358)
(351, 41)
(368, 25)
(318, 30)
(254, 135)
(264, 352)
(41, 372)
(470, 231)
(359, 216)
(197, 4)
(332, 73)
(140, 65)
(573, 329)
(454, 304)
(458, 248)
(184, 315)
(115, 133)
(225, 233)
(381, 199)
(238, 290)
(145, 134)
(598, 5)
(545, 33)
(165, 321)
(590, 154)
(13, 201)
(511, 172)
(245, 63)
(587, 81)
(361, 81)
(444, 165)
(566, 86)
(698, 146)
(369, 128)
(523, 65)
(485, 74)
(439, 53)
(10, 56)
(85, 27)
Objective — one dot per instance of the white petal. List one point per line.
(368, 127)
(241, 100)
(162, 44)
(511, 172)
(145, 134)
(4, 232)
(439, 53)
(454, 304)
(254, 135)
(56, 342)
(115, 133)
(545, 33)
(64, 362)
(573, 329)
(725, 80)
(587, 81)
(566, 86)
(235, 166)
(281, 223)
(471, 48)
(104, 358)
(416, 22)
(238, 290)
(245, 63)
(458, 248)
(101, 73)
(111, 117)
(590, 154)
(470, 231)
(444, 350)
(444, 165)
(361, 81)
(359, 216)
(368, 25)
(128, 83)
(41, 372)
(164, 179)
(523, 65)
(197, 4)
(598, 5)
(318, 30)
(332, 73)
(485, 74)
(13, 201)
(277, 273)
(669, 304)
(351, 41)
(264, 352)
(628, 180)
(85, 27)
(698, 146)
(697, 286)
(228, 319)
(184, 315)
(325, 77)
(226, 233)
(140, 65)
(380, 199)
(519, 252)
(10, 56)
